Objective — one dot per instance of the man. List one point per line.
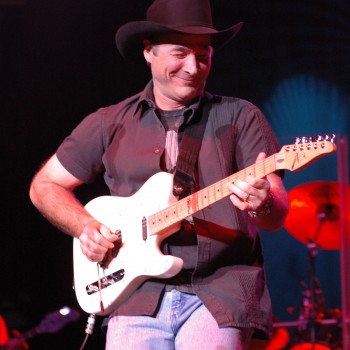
(220, 298)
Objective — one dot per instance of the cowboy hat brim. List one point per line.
(129, 37)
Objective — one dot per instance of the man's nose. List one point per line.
(191, 64)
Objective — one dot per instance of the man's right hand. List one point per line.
(95, 240)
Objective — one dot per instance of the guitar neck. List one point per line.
(199, 200)
(29, 334)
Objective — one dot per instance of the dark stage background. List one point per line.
(59, 62)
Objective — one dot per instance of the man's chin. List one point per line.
(188, 93)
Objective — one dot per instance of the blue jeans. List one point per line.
(182, 322)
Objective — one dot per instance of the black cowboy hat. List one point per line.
(172, 16)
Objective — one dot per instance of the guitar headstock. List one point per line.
(305, 151)
(54, 321)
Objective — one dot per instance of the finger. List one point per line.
(93, 243)
(91, 250)
(92, 256)
(257, 184)
(94, 246)
(108, 234)
(240, 190)
(237, 202)
(99, 234)
(261, 156)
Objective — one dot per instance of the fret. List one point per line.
(204, 198)
(192, 204)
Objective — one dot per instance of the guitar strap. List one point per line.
(184, 177)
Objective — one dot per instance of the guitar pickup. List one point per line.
(105, 281)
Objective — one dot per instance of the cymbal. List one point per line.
(314, 214)
(310, 346)
(279, 341)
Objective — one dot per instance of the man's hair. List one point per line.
(154, 49)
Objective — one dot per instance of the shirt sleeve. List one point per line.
(81, 152)
(253, 135)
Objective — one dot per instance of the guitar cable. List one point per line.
(88, 329)
(92, 317)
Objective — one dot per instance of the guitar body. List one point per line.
(139, 257)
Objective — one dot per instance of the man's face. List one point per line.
(180, 65)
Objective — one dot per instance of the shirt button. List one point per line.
(157, 151)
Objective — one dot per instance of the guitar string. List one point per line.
(201, 199)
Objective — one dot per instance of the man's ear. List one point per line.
(147, 48)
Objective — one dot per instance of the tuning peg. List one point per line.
(311, 139)
(330, 137)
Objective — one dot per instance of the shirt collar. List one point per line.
(146, 100)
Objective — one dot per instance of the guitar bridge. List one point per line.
(105, 282)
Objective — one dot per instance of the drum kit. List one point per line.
(314, 220)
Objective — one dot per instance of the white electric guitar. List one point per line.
(145, 219)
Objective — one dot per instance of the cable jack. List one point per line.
(88, 329)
